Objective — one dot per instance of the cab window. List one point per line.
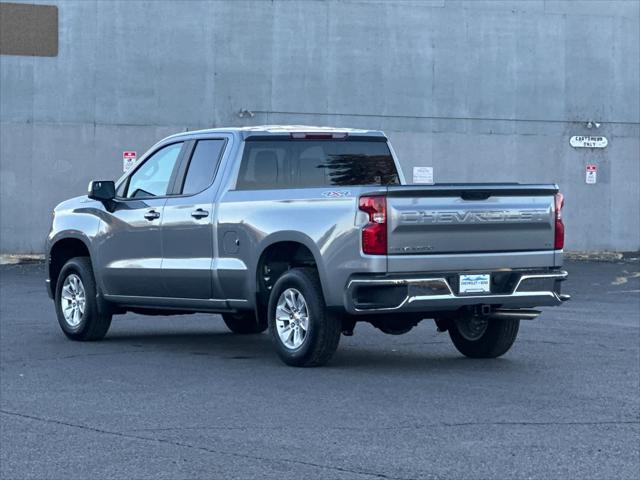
(202, 166)
(287, 163)
(152, 178)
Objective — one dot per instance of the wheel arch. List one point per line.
(292, 248)
(62, 249)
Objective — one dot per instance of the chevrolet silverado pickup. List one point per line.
(305, 231)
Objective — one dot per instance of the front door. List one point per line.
(130, 247)
(188, 223)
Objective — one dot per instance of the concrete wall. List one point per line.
(480, 90)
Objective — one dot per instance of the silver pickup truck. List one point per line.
(305, 231)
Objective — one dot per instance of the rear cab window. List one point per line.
(202, 165)
(284, 162)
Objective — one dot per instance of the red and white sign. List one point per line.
(128, 159)
(591, 174)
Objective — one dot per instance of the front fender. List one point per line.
(81, 223)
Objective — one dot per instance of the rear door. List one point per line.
(188, 222)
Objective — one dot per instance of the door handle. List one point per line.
(151, 215)
(199, 213)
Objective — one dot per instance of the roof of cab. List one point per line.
(282, 129)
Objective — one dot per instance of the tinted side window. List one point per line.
(203, 166)
(290, 163)
(263, 166)
(152, 178)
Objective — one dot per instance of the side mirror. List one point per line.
(102, 190)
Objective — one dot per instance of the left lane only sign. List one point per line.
(588, 141)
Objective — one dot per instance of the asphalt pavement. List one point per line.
(181, 397)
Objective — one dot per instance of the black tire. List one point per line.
(93, 325)
(497, 339)
(244, 323)
(324, 328)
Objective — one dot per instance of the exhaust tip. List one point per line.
(515, 314)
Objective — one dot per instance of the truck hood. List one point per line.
(73, 203)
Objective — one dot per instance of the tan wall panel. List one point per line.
(28, 29)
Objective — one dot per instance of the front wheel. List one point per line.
(76, 304)
(481, 337)
(304, 333)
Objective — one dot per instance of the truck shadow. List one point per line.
(217, 344)
(426, 361)
(257, 349)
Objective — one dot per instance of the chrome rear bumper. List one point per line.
(426, 293)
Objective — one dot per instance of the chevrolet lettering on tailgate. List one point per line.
(474, 216)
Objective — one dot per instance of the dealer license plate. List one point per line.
(475, 284)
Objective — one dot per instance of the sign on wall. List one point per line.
(128, 159)
(591, 174)
(588, 141)
(423, 175)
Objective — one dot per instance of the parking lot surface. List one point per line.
(181, 397)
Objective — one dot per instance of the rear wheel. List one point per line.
(481, 337)
(304, 333)
(76, 305)
(244, 323)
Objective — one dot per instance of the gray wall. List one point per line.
(480, 90)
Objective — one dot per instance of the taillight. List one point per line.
(558, 244)
(374, 233)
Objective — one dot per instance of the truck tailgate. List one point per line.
(465, 219)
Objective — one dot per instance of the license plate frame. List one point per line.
(474, 284)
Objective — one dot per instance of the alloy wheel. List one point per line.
(292, 318)
(73, 300)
